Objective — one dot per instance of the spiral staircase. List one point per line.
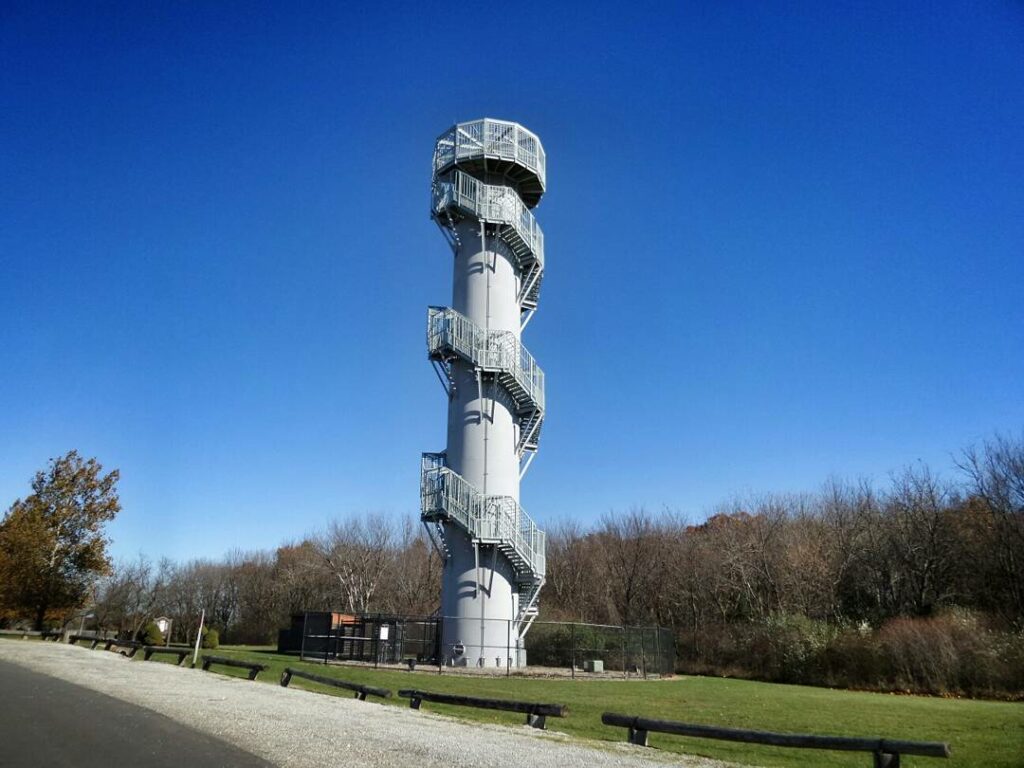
(467, 159)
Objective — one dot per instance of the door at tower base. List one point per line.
(479, 625)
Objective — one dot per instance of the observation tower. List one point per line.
(487, 176)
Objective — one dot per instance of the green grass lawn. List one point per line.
(981, 733)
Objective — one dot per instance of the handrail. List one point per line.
(443, 491)
(490, 202)
(496, 350)
(491, 138)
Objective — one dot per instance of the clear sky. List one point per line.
(784, 241)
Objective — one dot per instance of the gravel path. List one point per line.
(294, 728)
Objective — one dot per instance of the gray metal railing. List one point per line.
(493, 350)
(489, 518)
(492, 203)
(491, 138)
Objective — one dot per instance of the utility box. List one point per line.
(593, 665)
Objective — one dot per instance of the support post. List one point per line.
(327, 640)
(623, 651)
(199, 637)
(643, 656)
(657, 651)
(572, 643)
(637, 736)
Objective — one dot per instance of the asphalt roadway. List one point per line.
(49, 722)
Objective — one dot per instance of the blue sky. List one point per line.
(783, 243)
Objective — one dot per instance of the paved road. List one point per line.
(46, 721)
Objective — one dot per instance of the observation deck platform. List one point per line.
(499, 147)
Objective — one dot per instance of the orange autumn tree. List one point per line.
(52, 543)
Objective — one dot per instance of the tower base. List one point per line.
(479, 606)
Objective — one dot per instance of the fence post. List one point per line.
(657, 651)
(302, 648)
(508, 649)
(624, 630)
(572, 643)
(643, 655)
(327, 640)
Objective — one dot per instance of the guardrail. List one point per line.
(112, 643)
(94, 639)
(444, 492)
(181, 653)
(492, 203)
(491, 138)
(24, 634)
(886, 751)
(489, 349)
(361, 691)
(254, 668)
(536, 713)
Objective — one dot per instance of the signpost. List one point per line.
(199, 636)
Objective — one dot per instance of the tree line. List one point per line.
(914, 583)
(853, 553)
(373, 563)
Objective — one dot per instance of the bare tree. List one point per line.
(256, 620)
(127, 598)
(573, 564)
(996, 477)
(302, 581)
(412, 583)
(635, 549)
(357, 553)
(921, 546)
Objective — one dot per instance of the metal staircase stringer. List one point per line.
(443, 370)
(448, 230)
(530, 281)
(530, 609)
(435, 530)
(529, 433)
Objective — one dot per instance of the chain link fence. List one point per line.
(567, 649)
(597, 648)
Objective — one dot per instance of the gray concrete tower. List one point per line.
(488, 175)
